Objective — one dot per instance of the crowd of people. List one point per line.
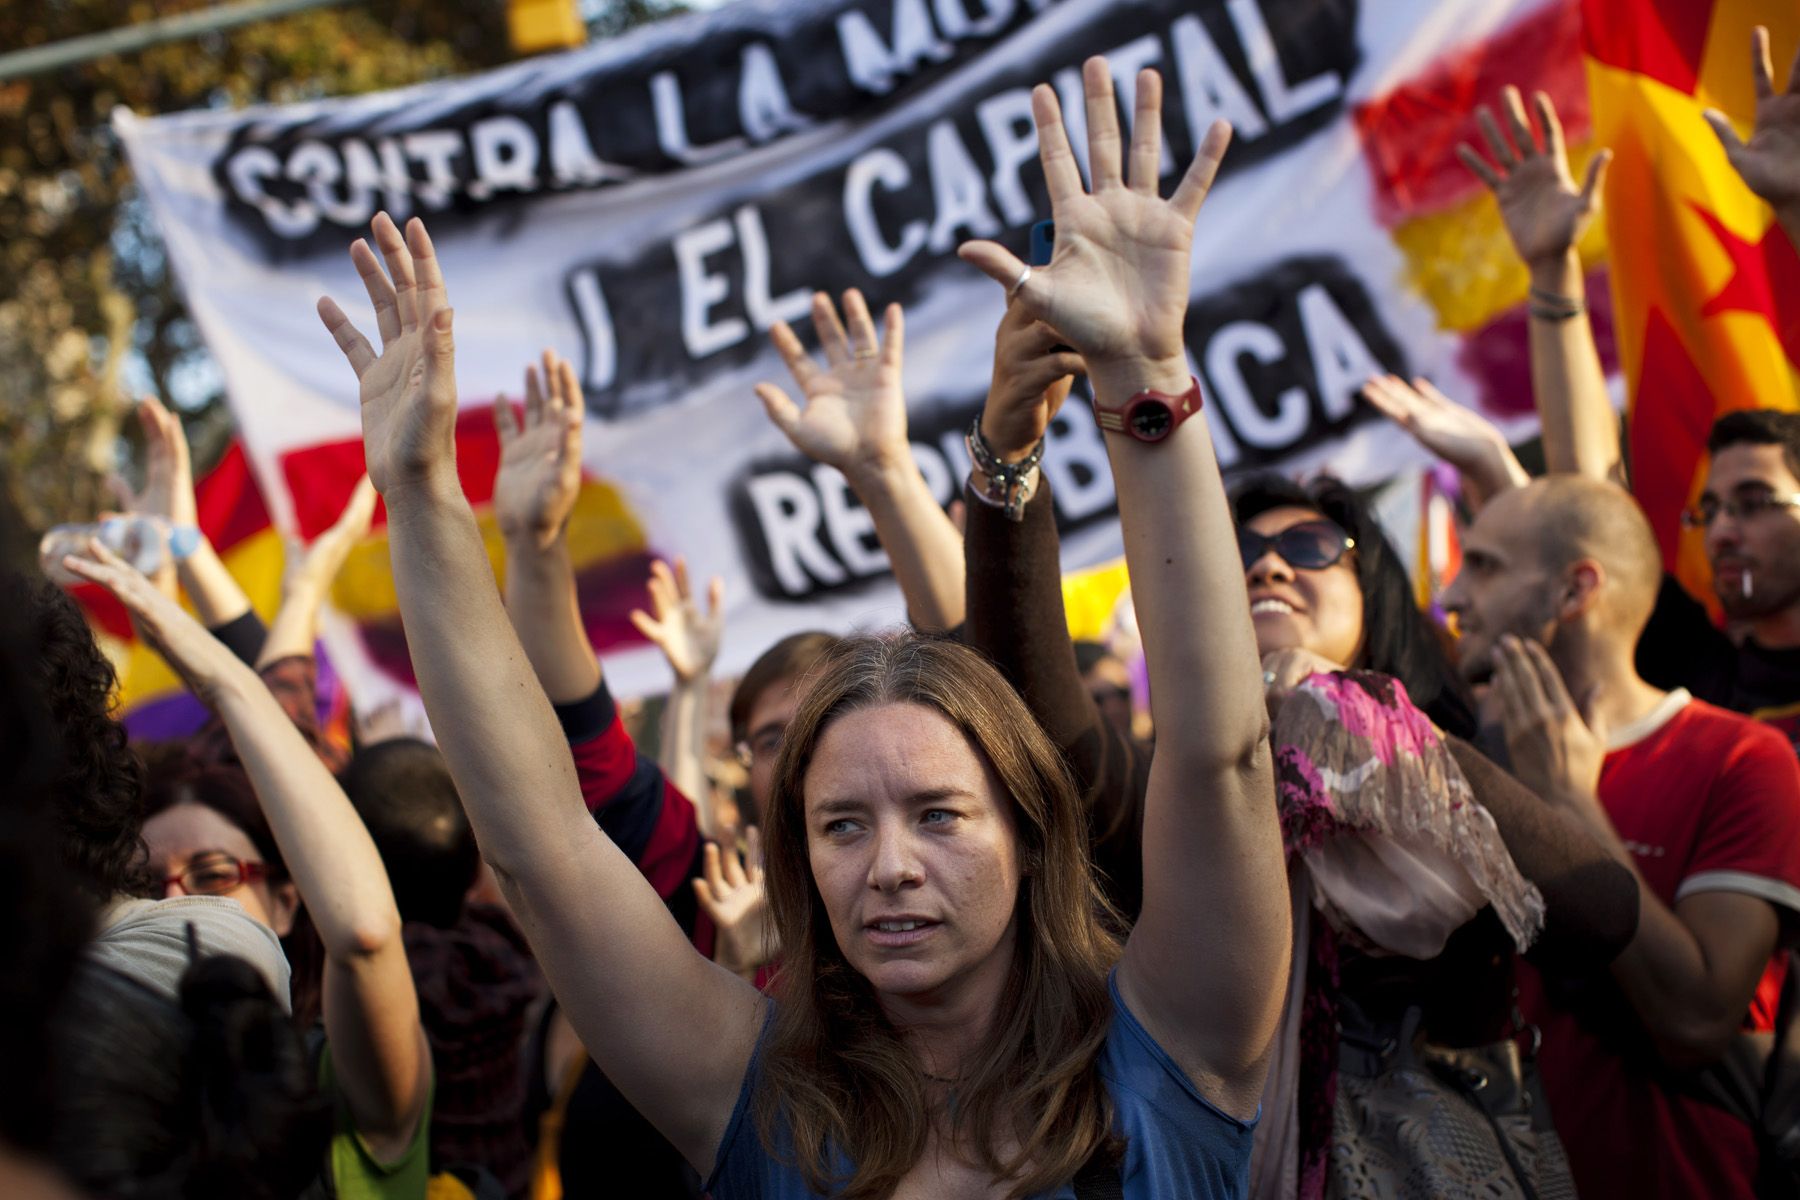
(1369, 908)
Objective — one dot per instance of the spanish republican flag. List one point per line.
(1706, 288)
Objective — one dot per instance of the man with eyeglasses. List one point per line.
(1749, 515)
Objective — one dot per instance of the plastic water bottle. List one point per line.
(143, 542)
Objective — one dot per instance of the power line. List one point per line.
(130, 38)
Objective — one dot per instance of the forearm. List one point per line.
(296, 623)
(683, 757)
(546, 615)
(1489, 474)
(922, 545)
(1580, 430)
(210, 588)
(328, 851)
(1187, 582)
(1590, 899)
(481, 689)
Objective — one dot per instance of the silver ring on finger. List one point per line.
(1019, 283)
(1268, 678)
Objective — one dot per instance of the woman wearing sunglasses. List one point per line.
(1329, 598)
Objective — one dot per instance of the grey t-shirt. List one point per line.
(148, 941)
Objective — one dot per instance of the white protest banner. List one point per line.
(650, 206)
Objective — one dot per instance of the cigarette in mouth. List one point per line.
(1746, 583)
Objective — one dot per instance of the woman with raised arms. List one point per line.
(953, 1018)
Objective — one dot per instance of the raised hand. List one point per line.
(197, 656)
(688, 638)
(1117, 285)
(1457, 434)
(408, 391)
(1770, 161)
(855, 413)
(731, 892)
(311, 570)
(1030, 382)
(540, 461)
(1544, 212)
(168, 490)
(1556, 749)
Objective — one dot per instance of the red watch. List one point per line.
(1151, 416)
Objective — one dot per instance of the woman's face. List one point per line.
(189, 836)
(1295, 608)
(915, 851)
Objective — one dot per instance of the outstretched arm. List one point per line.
(1770, 161)
(534, 493)
(371, 1010)
(1545, 214)
(689, 639)
(855, 420)
(309, 575)
(1117, 289)
(636, 992)
(1460, 436)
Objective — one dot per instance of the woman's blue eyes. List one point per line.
(931, 816)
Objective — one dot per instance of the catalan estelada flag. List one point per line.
(1704, 282)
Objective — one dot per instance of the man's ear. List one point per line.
(1581, 587)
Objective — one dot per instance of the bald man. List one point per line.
(1559, 579)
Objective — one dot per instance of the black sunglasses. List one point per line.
(1310, 545)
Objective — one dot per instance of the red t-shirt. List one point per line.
(1707, 801)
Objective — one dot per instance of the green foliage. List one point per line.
(83, 276)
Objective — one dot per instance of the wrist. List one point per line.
(1118, 380)
(884, 470)
(1559, 273)
(1003, 437)
(435, 488)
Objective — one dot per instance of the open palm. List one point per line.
(855, 408)
(1117, 285)
(408, 391)
(1770, 161)
(688, 637)
(540, 458)
(1543, 209)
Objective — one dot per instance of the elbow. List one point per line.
(373, 934)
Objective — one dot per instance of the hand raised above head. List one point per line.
(1033, 370)
(688, 637)
(1117, 285)
(855, 407)
(408, 390)
(540, 460)
(197, 656)
(168, 490)
(1544, 212)
(1770, 161)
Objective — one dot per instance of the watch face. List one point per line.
(1151, 421)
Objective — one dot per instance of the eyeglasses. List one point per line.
(1310, 545)
(1739, 508)
(215, 874)
(766, 744)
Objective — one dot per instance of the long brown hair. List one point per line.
(836, 1075)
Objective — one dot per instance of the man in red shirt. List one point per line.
(1558, 580)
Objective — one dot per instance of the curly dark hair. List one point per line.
(97, 794)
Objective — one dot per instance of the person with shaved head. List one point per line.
(1559, 579)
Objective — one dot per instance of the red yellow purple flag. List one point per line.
(1704, 282)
